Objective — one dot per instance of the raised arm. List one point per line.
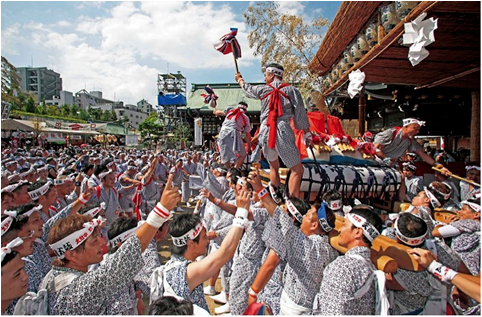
(200, 271)
(268, 202)
(264, 275)
(229, 208)
(160, 214)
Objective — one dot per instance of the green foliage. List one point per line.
(30, 105)
(41, 109)
(182, 132)
(18, 113)
(151, 127)
(53, 111)
(84, 115)
(286, 39)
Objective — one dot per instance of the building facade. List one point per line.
(133, 114)
(43, 83)
(93, 99)
(144, 106)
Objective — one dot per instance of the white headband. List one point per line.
(104, 174)
(369, 231)
(294, 211)
(190, 235)
(243, 107)
(42, 168)
(276, 71)
(110, 164)
(409, 241)
(25, 174)
(411, 120)
(433, 200)
(7, 222)
(124, 235)
(11, 188)
(68, 179)
(95, 211)
(475, 207)
(334, 204)
(31, 211)
(8, 164)
(472, 167)
(8, 248)
(273, 194)
(35, 194)
(131, 167)
(76, 238)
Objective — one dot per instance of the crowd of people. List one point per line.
(80, 228)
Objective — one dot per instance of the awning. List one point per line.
(14, 124)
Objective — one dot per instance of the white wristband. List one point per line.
(241, 218)
(443, 273)
(252, 292)
(240, 79)
(158, 216)
(82, 199)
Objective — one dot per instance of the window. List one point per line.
(131, 115)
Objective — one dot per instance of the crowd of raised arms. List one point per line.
(81, 226)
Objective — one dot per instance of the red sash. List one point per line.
(236, 113)
(275, 111)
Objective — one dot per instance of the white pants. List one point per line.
(288, 307)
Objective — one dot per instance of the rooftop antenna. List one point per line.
(31, 60)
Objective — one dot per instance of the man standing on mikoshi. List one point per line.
(231, 145)
(279, 103)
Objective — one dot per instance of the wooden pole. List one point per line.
(361, 112)
(458, 177)
(234, 56)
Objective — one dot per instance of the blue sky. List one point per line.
(120, 47)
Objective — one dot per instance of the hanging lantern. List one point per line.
(389, 17)
(371, 34)
(403, 8)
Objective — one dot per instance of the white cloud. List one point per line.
(63, 23)
(290, 7)
(90, 4)
(10, 38)
(108, 49)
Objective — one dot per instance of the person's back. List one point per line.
(348, 286)
(342, 278)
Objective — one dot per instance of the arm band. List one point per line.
(263, 193)
(82, 199)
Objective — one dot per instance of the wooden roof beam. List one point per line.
(386, 42)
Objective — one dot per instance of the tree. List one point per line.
(10, 83)
(84, 115)
(41, 109)
(74, 109)
(64, 111)
(30, 105)
(182, 132)
(52, 110)
(151, 127)
(286, 39)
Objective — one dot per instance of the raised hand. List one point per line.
(170, 196)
